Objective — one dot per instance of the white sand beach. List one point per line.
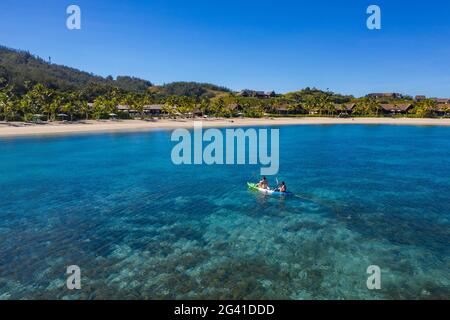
(16, 129)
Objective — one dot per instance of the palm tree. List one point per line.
(204, 105)
(81, 105)
(367, 106)
(99, 107)
(111, 105)
(10, 109)
(446, 110)
(84, 108)
(137, 103)
(28, 106)
(310, 105)
(42, 97)
(270, 105)
(298, 108)
(330, 107)
(425, 108)
(129, 100)
(255, 111)
(321, 104)
(35, 100)
(53, 107)
(373, 106)
(218, 107)
(107, 103)
(186, 105)
(69, 105)
(168, 109)
(7, 101)
(324, 104)
(141, 102)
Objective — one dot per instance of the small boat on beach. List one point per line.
(255, 187)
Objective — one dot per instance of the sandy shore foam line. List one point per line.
(21, 129)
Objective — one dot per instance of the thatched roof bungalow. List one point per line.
(283, 109)
(396, 108)
(345, 108)
(123, 108)
(442, 100)
(153, 109)
(442, 110)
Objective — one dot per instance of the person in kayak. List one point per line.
(282, 187)
(263, 183)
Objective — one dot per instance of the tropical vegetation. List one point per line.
(32, 89)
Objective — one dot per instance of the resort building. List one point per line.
(123, 108)
(153, 109)
(420, 98)
(389, 95)
(393, 109)
(442, 100)
(257, 94)
(345, 109)
(284, 109)
(150, 110)
(442, 110)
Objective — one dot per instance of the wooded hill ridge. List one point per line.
(19, 67)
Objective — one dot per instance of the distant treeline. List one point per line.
(21, 69)
(32, 88)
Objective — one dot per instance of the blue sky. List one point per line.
(266, 45)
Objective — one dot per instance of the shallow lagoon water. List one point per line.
(142, 228)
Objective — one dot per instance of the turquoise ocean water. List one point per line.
(141, 228)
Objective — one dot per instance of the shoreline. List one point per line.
(16, 129)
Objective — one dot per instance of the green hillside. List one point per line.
(19, 67)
